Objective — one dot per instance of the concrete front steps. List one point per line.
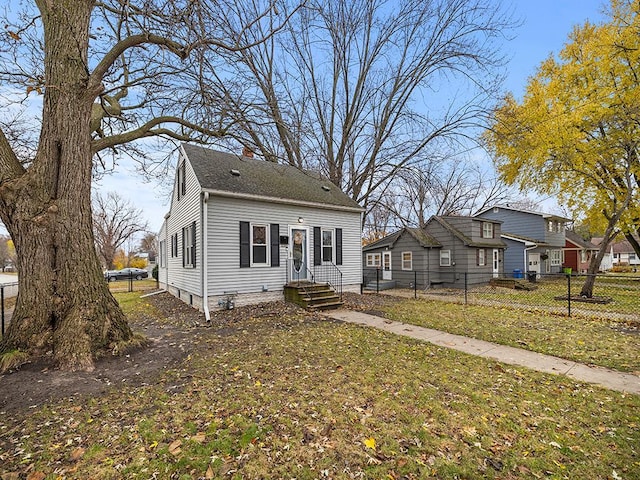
(312, 296)
(512, 283)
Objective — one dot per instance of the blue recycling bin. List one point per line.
(517, 273)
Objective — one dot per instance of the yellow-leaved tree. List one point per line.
(575, 133)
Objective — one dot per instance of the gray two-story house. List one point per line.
(534, 240)
(448, 251)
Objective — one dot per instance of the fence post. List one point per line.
(2, 307)
(569, 294)
(415, 284)
(130, 281)
(465, 287)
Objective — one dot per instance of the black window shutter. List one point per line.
(193, 243)
(183, 180)
(275, 245)
(317, 246)
(183, 249)
(477, 256)
(338, 246)
(245, 245)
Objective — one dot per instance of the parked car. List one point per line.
(137, 273)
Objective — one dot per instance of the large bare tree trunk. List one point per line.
(64, 304)
(609, 235)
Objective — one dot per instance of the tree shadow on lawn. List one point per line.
(174, 334)
(35, 384)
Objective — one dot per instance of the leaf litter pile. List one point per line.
(272, 391)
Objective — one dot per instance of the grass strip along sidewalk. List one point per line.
(597, 342)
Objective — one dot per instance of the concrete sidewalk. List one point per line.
(622, 382)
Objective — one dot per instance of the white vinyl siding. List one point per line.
(182, 214)
(223, 251)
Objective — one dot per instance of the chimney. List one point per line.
(247, 152)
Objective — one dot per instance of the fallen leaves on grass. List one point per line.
(396, 408)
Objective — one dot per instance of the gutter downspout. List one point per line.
(164, 254)
(205, 262)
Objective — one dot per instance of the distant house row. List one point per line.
(496, 241)
(241, 229)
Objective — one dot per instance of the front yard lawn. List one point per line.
(276, 392)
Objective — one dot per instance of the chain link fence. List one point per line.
(614, 296)
(9, 292)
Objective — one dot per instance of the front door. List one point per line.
(496, 262)
(534, 263)
(299, 256)
(386, 265)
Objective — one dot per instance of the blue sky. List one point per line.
(545, 29)
(546, 25)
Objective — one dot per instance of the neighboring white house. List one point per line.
(619, 253)
(239, 229)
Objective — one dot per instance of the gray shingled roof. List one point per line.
(462, 237)
(261, 178)
(423, 238)
(524, 239)
(578, 240)
(552, 216)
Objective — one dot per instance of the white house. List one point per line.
(239, 229)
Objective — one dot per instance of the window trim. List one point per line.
(488, 230)
(266, 245)
(447, 257)
(403, 261)
(189, 246)
(482, 257)
(182, 179)
(374, 260)
(162, 254)
(331, 231)
(555, 258)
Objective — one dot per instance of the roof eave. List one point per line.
(284, 201)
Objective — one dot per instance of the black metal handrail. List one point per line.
(329, 273)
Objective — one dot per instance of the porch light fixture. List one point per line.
(300, 220)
